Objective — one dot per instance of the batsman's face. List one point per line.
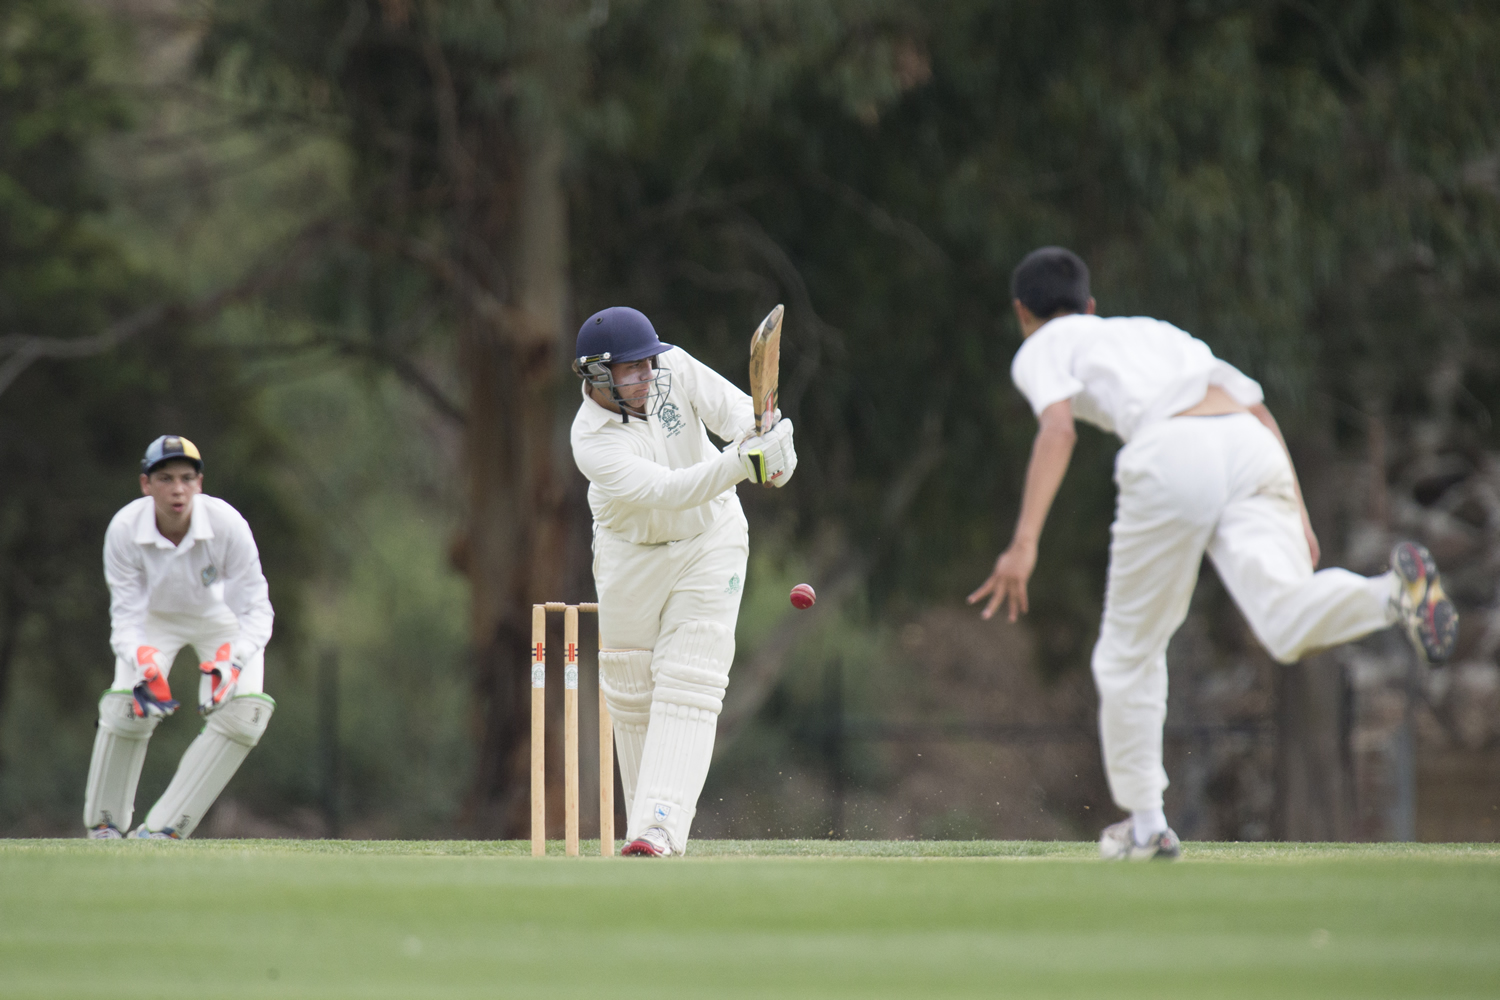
(633, 381)
(173, 486)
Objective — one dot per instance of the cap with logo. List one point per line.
(169, 448)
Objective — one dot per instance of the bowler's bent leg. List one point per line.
(1261, 554)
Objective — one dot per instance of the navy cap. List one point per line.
(625, 334)
(168, 448)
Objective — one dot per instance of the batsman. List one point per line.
(670, 548)
(183, 570)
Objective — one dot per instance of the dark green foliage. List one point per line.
(72, 432)
(1310, 188)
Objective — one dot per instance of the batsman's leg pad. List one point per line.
(691, 675)
(625, 678)
(115, 768)
(209, 763)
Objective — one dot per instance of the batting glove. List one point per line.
(770, 458)
(219, 677)
(153, 698)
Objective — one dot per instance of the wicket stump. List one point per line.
(570, 737)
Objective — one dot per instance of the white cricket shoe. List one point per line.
(105, 831)
(652, 843)
(1117, 843)
(142, 833)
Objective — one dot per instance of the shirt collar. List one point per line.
(596, 416)
(202, 527)
(147, 533)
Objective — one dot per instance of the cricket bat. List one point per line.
(765, 369)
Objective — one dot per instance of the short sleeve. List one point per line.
(1042, 370)
(1245, 390)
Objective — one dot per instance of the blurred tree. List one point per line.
(461, 117)
(1311, 187)
(1290, 181)
(453, 113)
(71, 434)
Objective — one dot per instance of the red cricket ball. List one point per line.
(803, 597)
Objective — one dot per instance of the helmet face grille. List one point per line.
(598, 376)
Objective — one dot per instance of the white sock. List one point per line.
(1147, 823)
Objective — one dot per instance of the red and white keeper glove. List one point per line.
(217, 681)
(153, 697)
(770, 458)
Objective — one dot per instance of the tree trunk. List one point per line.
(1314, 779)
(1314, 792)
(516, 529)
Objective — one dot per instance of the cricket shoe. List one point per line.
(105, 831)
(1117, 843)
(652, 843)
(142, 833)
(1426, 613)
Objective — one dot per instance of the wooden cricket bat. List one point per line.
(765, 369)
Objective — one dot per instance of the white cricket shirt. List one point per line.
(213, 574)
(660, 479)
(1122, 373)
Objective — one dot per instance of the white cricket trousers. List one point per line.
(1223, 485)
(667, 614)
(169, 633)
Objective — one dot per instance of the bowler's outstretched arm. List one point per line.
(1050, 454)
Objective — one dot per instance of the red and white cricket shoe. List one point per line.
(652, 843)
(1426, 612)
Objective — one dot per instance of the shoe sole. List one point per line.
(1431, 619)
(639, 849)
(1129, 851)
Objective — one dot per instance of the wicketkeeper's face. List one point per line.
(173, 485)
(633, 381)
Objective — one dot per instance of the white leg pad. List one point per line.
(691, 676)
(625, 678)
(115, 768)
(209, 763)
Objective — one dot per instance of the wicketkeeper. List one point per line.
(183, 570)
(670, 546)
(1203, 469)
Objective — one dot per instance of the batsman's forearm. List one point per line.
(1050, 454)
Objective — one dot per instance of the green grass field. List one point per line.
(744, 918)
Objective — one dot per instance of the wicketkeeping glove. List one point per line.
(770, 457)
(219, 677)
(153, 698)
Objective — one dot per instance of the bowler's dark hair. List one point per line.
(1051, 280)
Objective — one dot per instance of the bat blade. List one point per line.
(765, 369)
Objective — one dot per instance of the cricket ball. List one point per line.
(803, 597)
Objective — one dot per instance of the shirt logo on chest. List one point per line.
(671, 419)
(209, 575)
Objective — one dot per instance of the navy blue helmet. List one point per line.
(614, 336)
(622, 333)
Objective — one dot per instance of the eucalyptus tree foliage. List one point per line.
(73, 425)
(465, 121)
(1311, 187)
